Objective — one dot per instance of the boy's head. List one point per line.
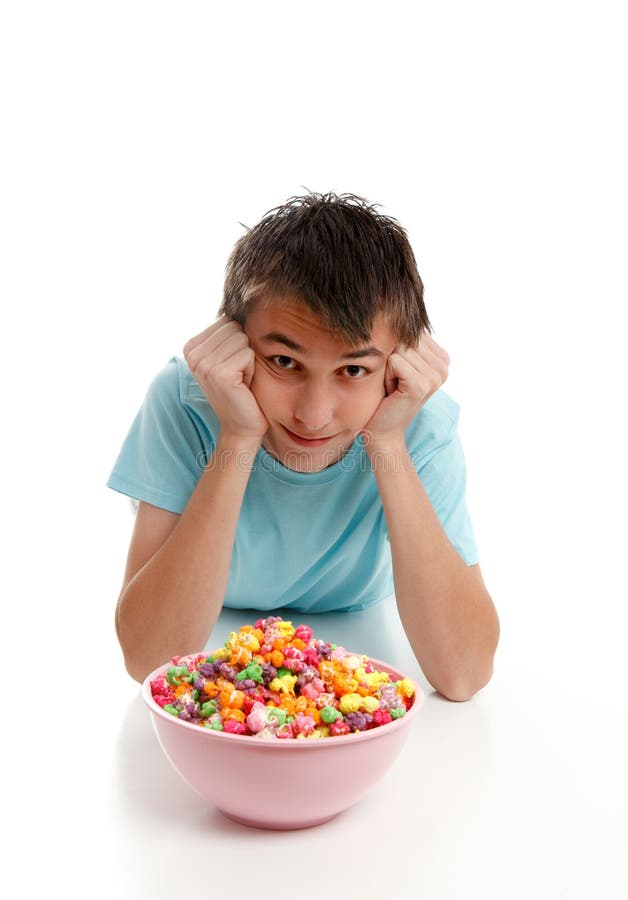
(344, 260)
(325, 288)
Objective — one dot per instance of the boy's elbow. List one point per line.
(458, 690)
(137, 671)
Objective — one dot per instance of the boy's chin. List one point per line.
(305, 460)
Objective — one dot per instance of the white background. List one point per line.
(137, 138)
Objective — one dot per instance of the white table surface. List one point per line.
(517, 793)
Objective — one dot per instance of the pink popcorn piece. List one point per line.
(233, 727)
(285, 731)
(257, 719)
(339, 727)
(160, 686)
(162, 700)
(303, 724)
(381, 717)
(304, 633)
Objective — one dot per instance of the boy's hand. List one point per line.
(223, 363)
(412, 375)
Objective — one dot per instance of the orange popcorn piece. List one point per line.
(237, 699)
(315, 713)
(241, 656)
(276, 658)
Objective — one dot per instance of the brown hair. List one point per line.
(346, 261)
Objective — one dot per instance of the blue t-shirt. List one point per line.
(314, 541)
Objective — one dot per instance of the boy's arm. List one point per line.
(170, 603)
(177, 571)
(445, 609)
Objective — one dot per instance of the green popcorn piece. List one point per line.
(278, 714)
(208, 709)
(169, 708)
(176, 674)
(397, 713)
(172, 675)
(329, 714)
(256, 673)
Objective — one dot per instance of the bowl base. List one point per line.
(273, 826)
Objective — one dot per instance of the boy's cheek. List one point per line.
(262, 374)
(264, 384)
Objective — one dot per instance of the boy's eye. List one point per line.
(354, 372)
(281, 364)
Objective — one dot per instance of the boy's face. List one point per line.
(315, 392)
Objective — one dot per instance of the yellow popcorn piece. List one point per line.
(321, 731)
(222, 653)
(248, 640)
(350, 663)
(369, 704)
(285, 684)
(405, 687)
(374, 679)
(350, 703)
(285, 629)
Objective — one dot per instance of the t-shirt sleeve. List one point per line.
(162, 456)
(444, 477)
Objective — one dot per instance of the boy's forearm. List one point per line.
(446, 611)
(171, 605)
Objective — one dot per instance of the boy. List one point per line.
(304, 456)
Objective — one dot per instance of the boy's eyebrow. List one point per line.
(275, 337)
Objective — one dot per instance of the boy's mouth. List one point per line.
(307, 442)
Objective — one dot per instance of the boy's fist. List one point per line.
(223, 363)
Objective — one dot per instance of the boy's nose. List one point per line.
(314, 412)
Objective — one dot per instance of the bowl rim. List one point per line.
(210, 734)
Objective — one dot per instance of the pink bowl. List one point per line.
(280, 784)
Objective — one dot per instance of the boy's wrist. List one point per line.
(240, 441)
(383, 444)
(239, 450)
